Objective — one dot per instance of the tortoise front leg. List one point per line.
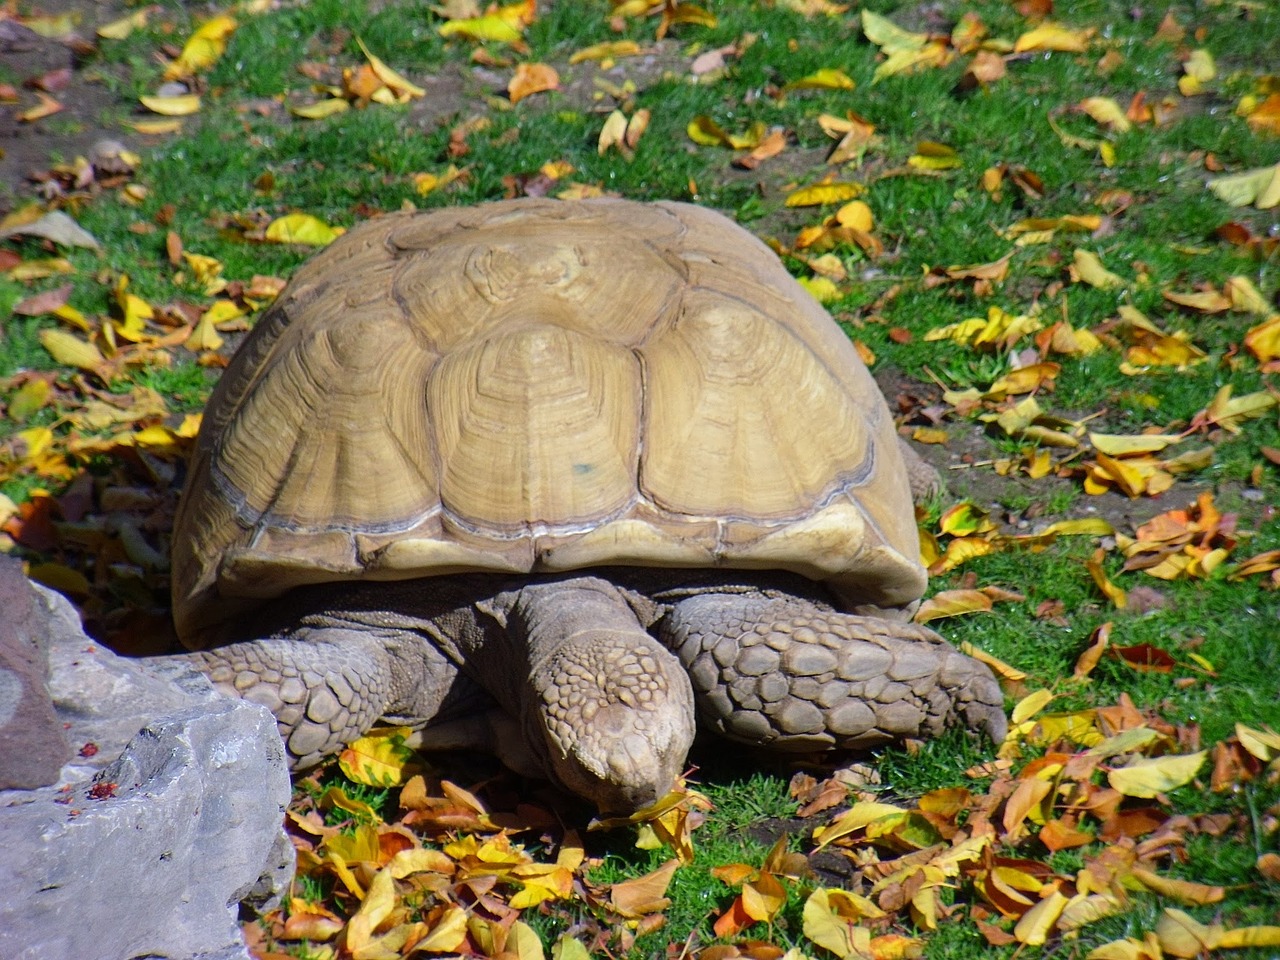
(796, 676)
(328, 685)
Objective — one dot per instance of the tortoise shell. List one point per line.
(535, 386)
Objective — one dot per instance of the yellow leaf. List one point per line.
(403, 89)
(763, 897)
(888, 36)
(951, 603)
(567, 948)
(378, 759)
(1055, 37)
(71, 351)
(606, 51)
(531, 78)
(1113, 593)
(1263, 744)
(1088, 268)
(379, 901)
(449, 933)
(857, 215)
(1229, 413)
(1037, 923)
(822, 289)
(1182, 936)
(934, 156)
(705, 132)
(204, 336)
(934, 54)
(321, 109)
(1030, 705)
(1260, 187)
(202, 49)
(828, 78)
(523, 942)
(493, 26)
(426, 183)
(819, 194)
(1122, 445)
(831, 921)
(301, 228)
(1197, 71)
(1148, 777)
(179, 106)
(1107, 112)
(858, 817)
(154, 128)
(613, 133)
(119, 29)
(1245, 297)
(1206, 301)
(1184, 891)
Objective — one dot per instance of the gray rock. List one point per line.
(170, 816)
(33, 747)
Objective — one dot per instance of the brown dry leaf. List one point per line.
(1099, 640)
(643, 895)
(47, 107)
(770, 146)
(531, 78)
(1144, 658)
(986, 67)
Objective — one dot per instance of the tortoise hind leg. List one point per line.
(328, 685)
(794, 676)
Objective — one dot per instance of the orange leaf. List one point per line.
(647, 894)
(1145, 658)
(531, 78)
(1113, 593)
(1098, 642)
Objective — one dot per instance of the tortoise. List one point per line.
(553, 479)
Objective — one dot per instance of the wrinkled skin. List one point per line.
(594, 680)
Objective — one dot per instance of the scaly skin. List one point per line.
(792, 676)
(575, 677)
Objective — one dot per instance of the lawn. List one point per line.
(1052, 234)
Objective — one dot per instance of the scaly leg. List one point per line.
(794, 676)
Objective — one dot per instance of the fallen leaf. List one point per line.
(177, 106)
(1149, 777)
(531, 78)
(1053, 37)
(203, 48)
(56, 226)
(643, 895)
(301, 228)
(819, 194)
(1259, 187)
